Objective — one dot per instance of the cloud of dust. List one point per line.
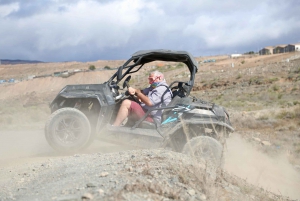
(24, 146)
(274, 174)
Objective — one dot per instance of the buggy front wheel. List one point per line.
(206, 149)
(68, 130)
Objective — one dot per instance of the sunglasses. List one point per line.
(153, 78)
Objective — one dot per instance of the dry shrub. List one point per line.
(269, 96)
(297, 112)
(291, 113)
(263, 117)
(249, 121)
(287, 117)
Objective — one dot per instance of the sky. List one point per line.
(91, 30)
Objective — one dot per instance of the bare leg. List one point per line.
(123, 112)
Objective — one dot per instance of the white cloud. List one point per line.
(86, 22)
(240, 27)
(84, 29)
(7, 9)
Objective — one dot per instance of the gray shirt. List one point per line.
(159, 96)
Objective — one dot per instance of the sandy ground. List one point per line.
(19, 148)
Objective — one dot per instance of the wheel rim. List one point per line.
(68, 130)
(203, 151)
(204, 148)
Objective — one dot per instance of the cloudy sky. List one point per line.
(90, 30)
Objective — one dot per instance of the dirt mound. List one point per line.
(128, 175)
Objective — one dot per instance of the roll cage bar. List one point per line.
(145, 56)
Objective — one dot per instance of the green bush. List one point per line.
(286, 115)
(107, 67)
(92, 67)
(179, 65)
(219, 97)
(263, 117)
(273, 79)
(239, 76)
(290, 77)
(297, 113)
(275, 88)
(256, 80)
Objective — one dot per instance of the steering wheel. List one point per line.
(178, 89)
(126, 82)
(126, 85)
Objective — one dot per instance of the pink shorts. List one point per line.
(136, 112)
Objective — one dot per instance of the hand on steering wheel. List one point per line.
(131, 91)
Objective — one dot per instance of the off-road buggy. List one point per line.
(81, 113)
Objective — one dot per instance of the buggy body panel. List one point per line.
(100, 95)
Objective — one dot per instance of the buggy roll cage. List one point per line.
(145, 56)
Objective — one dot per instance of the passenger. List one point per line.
(155, 96)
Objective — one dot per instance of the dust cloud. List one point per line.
(20, 145)
(24, 146)
(274, 174)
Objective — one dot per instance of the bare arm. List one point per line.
(143, 98)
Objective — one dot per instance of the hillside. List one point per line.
(261, 94)
(18, 61)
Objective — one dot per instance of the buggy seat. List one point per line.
(178, 97)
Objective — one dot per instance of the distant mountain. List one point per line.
(8, 61)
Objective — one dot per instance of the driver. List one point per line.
(156, 95)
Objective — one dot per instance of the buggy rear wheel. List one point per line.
(207, 149)
(68, 130)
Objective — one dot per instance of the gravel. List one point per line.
(127, 175)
